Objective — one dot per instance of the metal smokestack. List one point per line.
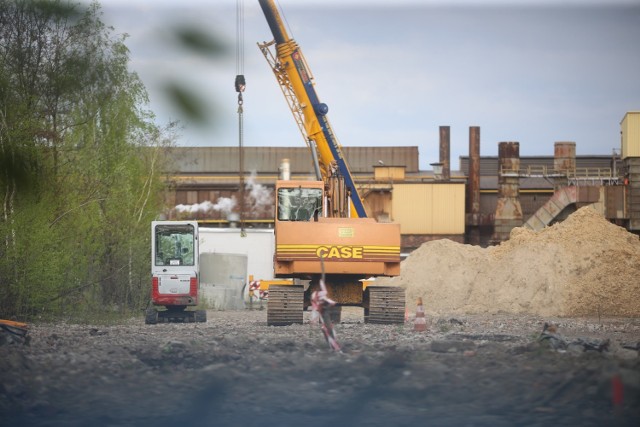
(564, 162)
(564, 158)
(508, 210)
(473, 187)
(509, 164)
(445, 148)
(285, 170)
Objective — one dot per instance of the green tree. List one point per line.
(82, 161)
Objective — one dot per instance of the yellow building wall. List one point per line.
(389, 173)
(630, 130)
(429, 208)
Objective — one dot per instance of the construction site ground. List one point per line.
(465, 370)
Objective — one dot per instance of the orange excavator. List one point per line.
(323, 223)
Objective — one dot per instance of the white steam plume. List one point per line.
(224, 204)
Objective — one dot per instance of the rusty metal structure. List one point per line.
(508, 209)
(564, 161)
(564, 156)
(473, 183)
(566, 193)
(472, 213)
(445, 149)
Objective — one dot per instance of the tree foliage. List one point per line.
(81, 163)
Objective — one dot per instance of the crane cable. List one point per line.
(240, 85)
(284, 17)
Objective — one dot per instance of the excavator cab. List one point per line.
(299, 203)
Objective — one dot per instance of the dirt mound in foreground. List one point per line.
(583, 266)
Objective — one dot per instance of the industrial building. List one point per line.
(392, 186)
(479, 203)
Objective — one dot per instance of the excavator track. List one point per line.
(286, 305)
(384, 305)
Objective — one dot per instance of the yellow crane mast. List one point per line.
(322, 226)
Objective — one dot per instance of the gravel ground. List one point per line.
(480, 370)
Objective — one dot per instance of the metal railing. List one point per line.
(577, 176)
(531, 171)
(592, 176)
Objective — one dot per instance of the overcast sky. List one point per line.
(536, 73)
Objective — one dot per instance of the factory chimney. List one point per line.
(445, 149)
(508, 210)
(564, 162)
(473, 185)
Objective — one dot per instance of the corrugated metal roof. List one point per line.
(188, 160)
(226, 159)
(362, 159)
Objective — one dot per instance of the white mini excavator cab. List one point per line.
(175, 273)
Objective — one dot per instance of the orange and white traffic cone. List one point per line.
(420, 323)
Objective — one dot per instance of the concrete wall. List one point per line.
(222, 280)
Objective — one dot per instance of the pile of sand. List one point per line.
(583, 266)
